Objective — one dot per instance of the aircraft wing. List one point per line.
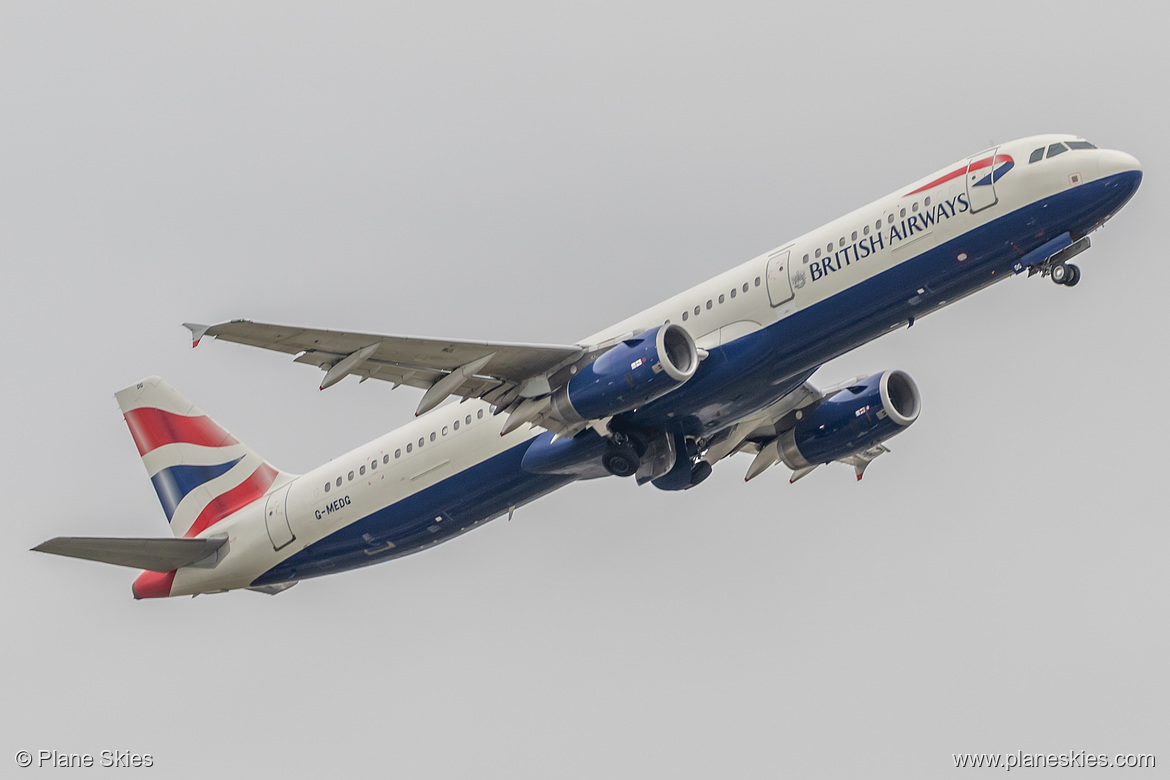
(442, 367)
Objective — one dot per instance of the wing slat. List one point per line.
(405, 360)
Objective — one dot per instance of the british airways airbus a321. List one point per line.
(661, 397)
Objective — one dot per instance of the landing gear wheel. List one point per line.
(1060, 273)
(621, 460)
(1074, 275)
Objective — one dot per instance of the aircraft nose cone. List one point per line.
(1111, 162)
(1119, 175)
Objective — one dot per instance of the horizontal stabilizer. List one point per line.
(161, 555)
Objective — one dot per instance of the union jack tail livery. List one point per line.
(201, 472)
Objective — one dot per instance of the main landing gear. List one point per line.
(622, 457)
(1065, 274)
(669, 461)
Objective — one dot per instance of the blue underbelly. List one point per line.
(424, 519)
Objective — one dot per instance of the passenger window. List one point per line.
(708, 304)
(721, 298)
(890, 219)
(914, 206)
(339, 482)
(697, 310)
(386, 457)
(818, 254)
(421, 442)
(1037, 155)
(468, 420)
(479, 414)
(733, 289)
(686, 316)
(410, 448)
(854, 236)
(745, 287)
(805, 260)
(829, 248)
(902, 213)
(1056, 149)
(757, 281)
(362, 471)
(877, 225)
(926, 203)
(327, 486)
(432, 435)
(456, 425)
(865, 230)
(398, 453)
(444, 430)
(351, 476)
(373, 464)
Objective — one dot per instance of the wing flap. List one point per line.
(161, 555)
(511, 360)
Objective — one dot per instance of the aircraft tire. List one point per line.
(1074, 276)
(621, 460)
(1060, 273)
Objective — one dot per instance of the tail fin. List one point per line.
(201, 472)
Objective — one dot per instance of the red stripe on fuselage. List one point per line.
(975, 166)
(235, 499)
(154, 428)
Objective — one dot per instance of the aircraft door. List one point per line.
(981, 181)
(276, 518)
(779, 282)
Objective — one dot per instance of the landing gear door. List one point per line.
(981, 181)
(276, 519)
(779, 282)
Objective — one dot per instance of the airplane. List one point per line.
(720, 369)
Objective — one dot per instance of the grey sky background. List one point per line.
(533, 172)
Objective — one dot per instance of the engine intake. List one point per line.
(853, 420)
(628, 375)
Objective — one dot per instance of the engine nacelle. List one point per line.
(852, 420)
(629, 375)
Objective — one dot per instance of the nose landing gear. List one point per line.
(1065, 274)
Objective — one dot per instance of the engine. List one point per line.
(629, 375)
(852, 420)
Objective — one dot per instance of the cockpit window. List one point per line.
(1056, 149)
(1037, 155)
(1080, 145)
